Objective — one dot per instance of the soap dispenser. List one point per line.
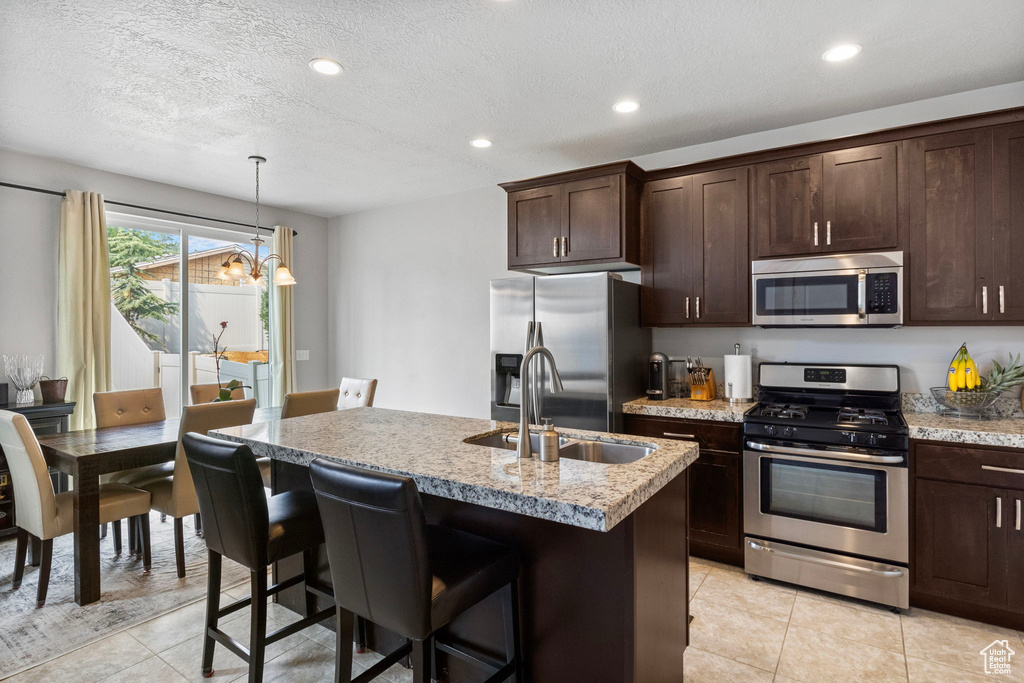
(548, 442)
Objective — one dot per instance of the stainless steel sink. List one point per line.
(606, 452)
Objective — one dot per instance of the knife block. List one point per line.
(703, 392)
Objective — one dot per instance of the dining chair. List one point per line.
(121, 409)
(299, 403)
(46, 515)
(205, 393)
(175, 495)
(356, 392)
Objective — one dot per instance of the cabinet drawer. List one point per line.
(970, 465)
(716, 436)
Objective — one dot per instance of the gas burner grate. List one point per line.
(785, 411)
(862, 416)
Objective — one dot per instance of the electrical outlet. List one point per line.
(302, 355)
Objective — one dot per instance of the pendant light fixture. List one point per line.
(234, 268)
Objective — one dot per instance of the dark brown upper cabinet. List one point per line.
(1008, 221)
(566, 222)
(695, 235)
(828, 203)
(947, 195)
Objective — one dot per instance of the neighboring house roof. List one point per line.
(174, 258)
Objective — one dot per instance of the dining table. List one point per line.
(85, 455)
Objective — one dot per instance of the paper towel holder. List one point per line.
(729, 393)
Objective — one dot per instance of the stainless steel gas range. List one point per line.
(825, 483)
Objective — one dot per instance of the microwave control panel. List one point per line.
(882, 292)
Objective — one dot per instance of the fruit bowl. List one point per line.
(971, 404)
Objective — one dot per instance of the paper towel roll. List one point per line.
(738, 372)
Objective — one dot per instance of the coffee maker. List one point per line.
(657, 377)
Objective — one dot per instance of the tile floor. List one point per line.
(742, 631)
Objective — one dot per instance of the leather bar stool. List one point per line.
(244, 525)
(392, 568)
(356, 392)
(297, 404)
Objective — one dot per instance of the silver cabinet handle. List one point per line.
(984, 299)
(565, 246)
(999, 511)
(698, 307)
(687, 308)
(1002, 299)
(993, 468)
(828, 232)
(862, 294)
(1016, 526)
(554, 248)
(815, 233)
(673, 435)
(829, 455)
(754, 545)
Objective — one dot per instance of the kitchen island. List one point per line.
(603, 587)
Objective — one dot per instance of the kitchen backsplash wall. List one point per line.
(923, 353)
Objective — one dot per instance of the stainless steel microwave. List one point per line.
(843, 290)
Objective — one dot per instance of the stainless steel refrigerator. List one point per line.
(591, 323)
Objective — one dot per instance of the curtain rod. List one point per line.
(57, 193)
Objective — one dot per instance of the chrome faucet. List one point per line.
(524, 448)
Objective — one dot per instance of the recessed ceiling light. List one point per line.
(481, 142)
(323, 65)
(626, 106)
(841, 52)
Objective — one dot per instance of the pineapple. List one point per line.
(1001, 378)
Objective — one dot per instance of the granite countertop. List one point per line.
(718, 409)
(431, 449)
(1004, 431)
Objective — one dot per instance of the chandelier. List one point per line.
(234, 268)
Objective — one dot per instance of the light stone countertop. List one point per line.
(431, 449)
(1005, 431)
(683, 408)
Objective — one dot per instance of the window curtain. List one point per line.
(282, 328)
(83, 303)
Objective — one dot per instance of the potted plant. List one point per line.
(218, 353)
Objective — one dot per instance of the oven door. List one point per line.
(848, 501)
(830, 297)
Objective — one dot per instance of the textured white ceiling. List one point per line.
(182, 91)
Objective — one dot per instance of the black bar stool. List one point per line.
(389, 567)
(242, 524)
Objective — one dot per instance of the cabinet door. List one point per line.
(1015, 550)
(960, 550)
(591, 219)
(667, 270)
(715, 497)
(720, 236)
(534, 226)
(1008, 221)
(789, 207)
(948, 205)
(860, 199)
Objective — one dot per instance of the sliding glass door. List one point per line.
(215, 333)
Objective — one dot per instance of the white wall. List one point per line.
(408, 298)
(29, 225)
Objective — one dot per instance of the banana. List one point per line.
(961, 374)
(951, 374)
(973, 378)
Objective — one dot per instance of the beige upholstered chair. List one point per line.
(302, 403)
(121, 409)
(46, 515)
(356, 393)
(175, 495)
(205, 393)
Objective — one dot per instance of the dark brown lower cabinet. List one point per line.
(967, 535)
(715, 528)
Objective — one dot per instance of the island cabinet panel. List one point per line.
(967, 537)
(1008, 221)
(715, 527)
(789, 218)
(534, 226)
(860, 205)
(696, 264)
(947, 195)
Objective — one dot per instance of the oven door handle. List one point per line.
(831, 455)
(891, 573)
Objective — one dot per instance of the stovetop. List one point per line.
(836, 417)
